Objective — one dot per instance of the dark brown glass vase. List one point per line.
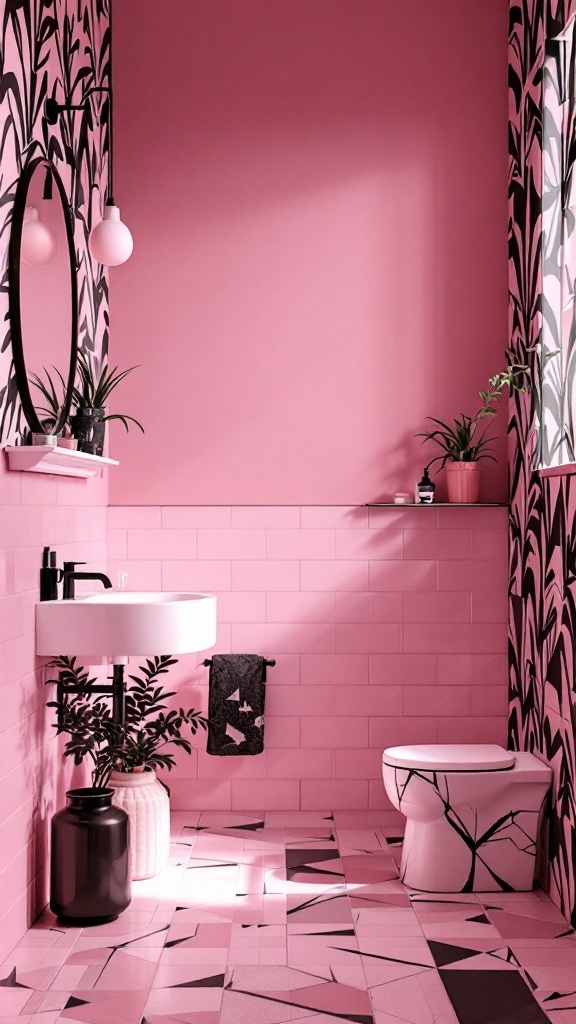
(90, 864)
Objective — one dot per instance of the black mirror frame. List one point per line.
(14, 253)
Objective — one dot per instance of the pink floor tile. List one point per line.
(361, 900)
(202, 1017)
(332, 997)
(553, 979)
(448, 904)
(246, 1008)
(195, 936)
(534, 896)
(369, 868)
(53, 1001)
(176, 1001)
(536, 909)
(518, 926)
(187, 975)
(104, 1007)
(404, 999)
(70, 977)
(28, 958)
(299, 819)
(126, 972)
(546, 956)
(358, 840)
(177, 956)
(12, 1000)
(459, 930)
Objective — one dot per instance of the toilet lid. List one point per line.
(450, 757)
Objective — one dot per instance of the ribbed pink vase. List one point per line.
(463, 480)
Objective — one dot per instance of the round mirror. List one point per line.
(43, 296)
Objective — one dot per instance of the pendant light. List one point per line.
(110, 241)
(38, 243)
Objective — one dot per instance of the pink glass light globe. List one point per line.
(110, 241)
(38, 243)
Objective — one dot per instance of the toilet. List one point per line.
(472, 815)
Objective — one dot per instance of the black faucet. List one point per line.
(68, 577)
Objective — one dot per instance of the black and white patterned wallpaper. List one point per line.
(542, 515)
(58, 49)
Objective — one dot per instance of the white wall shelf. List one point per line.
(55, 460)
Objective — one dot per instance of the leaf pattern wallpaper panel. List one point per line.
(57, 49)
(543, 510)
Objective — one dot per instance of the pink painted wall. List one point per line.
(388, 626)
(317, 192)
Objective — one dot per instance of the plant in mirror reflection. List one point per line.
(149, 728)
(54, 402)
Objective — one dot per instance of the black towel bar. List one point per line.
(269, 664)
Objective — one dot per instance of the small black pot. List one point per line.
(90, 865)
(89, 428)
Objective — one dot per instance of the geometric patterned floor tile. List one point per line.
(296, 917)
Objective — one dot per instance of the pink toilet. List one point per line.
(472, 815)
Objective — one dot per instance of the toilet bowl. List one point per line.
(472, 815)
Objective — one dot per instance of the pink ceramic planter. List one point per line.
(463, 480)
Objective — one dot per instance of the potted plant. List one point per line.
(125, 757)
(465, 443)
(52, 409)
(95, 385)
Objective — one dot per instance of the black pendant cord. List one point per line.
(53, 109)
(110, 201)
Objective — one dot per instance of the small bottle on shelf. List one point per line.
(425, 489)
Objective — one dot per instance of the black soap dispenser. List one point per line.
(426, 489)
(48, 576)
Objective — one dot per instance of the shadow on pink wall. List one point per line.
(317, 193)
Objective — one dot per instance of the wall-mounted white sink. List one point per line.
(117, 623)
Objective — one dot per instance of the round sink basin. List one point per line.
(118, 623)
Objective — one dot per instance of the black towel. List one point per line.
(237, 686)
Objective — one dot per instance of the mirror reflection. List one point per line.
(45, 297)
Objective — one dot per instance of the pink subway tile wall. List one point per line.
(388, 627)
(70, 516)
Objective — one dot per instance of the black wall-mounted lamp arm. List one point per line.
(53, 110)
